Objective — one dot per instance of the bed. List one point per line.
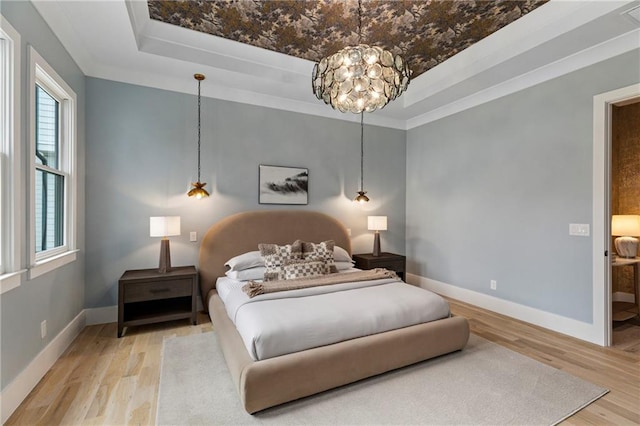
(265, 383)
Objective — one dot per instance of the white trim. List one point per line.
(12, 216)
(601, 286)
(104, 315)
(40, 72)
(558, 323)
(51, 263)
(15, 392)
(608, 49)
(11, 280)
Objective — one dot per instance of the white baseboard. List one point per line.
(16, 391)
(102, 315)
(564, 325)
(620, 296)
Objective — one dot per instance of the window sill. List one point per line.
(10, 280)
(54, 262)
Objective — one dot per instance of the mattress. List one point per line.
(280, 323)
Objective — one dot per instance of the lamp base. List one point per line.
(376, 244)
(165, 256)
(626, 247)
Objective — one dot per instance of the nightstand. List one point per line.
(622, 311)
(147, 296)
(391, 261)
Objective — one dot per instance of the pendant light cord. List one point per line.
(199, 81)
(362, 151)
(359, 21)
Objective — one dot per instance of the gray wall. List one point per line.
(57, 296)
(141, 157)
(492, 190)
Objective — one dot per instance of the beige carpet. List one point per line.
(483, 384)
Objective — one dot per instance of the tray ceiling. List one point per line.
(426, 33)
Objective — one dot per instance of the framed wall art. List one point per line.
(283, 185)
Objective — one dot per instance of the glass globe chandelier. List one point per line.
(198, 190)
(360, 78)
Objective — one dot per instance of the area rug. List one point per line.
(483, 384)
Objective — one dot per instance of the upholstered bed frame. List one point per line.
(266, 383)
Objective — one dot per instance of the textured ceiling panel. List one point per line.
(426, 33)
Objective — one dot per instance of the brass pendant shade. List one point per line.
(197, 189)
(361, 198)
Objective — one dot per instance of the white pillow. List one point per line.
(341, 266)
(244, 261)
(247, 274)
(341, 255)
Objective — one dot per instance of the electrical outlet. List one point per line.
(349, 231)
(193, 236)
(494, 285)
(43, 329)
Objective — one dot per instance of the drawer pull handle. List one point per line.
(160, 290)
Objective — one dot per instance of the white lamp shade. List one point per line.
(625, 225)
(377, 223)
(164, 226)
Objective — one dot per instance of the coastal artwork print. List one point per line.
(284, 185)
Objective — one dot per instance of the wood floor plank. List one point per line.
(103, 380)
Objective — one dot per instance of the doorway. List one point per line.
(602, 163)
(625, 200)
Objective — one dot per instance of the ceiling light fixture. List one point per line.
(360, 78)
(361, 197)
(198, 190)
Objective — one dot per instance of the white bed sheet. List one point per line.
(279, 323)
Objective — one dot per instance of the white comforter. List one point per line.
(290, 321)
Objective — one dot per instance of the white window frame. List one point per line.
(42, 74)
(11, 218)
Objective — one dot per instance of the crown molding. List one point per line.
(118, 41)
(609, 49)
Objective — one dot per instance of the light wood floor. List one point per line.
(108, 381)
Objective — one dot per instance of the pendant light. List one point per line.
(361, 198)
(198, 190)
(360, 78)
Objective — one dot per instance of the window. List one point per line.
(11, 219)
(53, 180)
(50, 179)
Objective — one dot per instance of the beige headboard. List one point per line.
(242, 232)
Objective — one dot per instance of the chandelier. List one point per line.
(360, 78)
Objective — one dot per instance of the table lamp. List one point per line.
(164, 226)
(376, 223)
(626, 227)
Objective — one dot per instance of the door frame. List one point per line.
(602, 109)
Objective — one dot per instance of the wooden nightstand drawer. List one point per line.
(137, 292)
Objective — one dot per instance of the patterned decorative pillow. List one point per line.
(274, 257)
(294, 269)
(323, 250)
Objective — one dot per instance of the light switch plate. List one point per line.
(579, 229)
(193, 236)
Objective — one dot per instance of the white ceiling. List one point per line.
(116, 40)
